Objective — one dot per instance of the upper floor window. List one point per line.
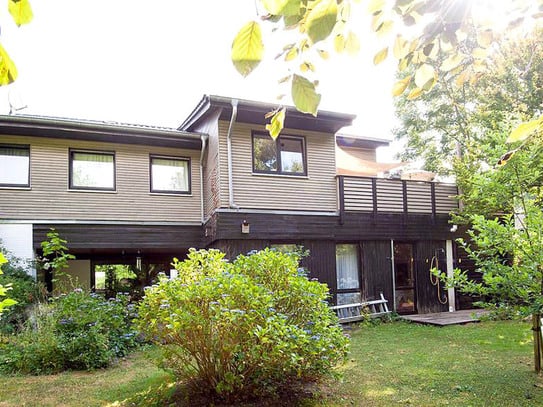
(14, 166)
(92, 170)
(285, 155)
(170, 175)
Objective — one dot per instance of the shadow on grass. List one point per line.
(178, 394)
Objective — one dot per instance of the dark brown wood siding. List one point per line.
(429, 254)
(321, 262)
(122, 237)
(377, 270)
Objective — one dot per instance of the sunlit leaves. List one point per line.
(277, 123)
(376, 5)
(452, 62)
(321, 20)
(380, 56)
(21, 11)
(400, 86)
(425, 76)
(415, 93)
(247, 48)
(485, 38)
(304, 95)
(282, 7)
(8, 71)
(401, 47)
(525, 130)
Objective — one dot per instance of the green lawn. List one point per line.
(397, 364)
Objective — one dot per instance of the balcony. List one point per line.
(377, 195)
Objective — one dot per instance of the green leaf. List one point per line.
(452, 62)
(8, 71)
(415, 93)
(376, 5)
(525, 130)
(21, 11)
(282, 7)
(380, 56)
(321, 20)
(277, 123)
(247, 48)
(304, 95)
(2, 259)
(352, 44)
(339, 43)
(400, 86)
(401, 47)
(424, 74)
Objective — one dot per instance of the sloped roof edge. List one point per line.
(250, 111)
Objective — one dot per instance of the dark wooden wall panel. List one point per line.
(377, 270)
(127, 237)
(321, 262)
(426, 292)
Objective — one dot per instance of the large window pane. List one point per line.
(347, 266)
(14, 165)
(169, 174)
(285, 155)
(92, 170)
(264, 154)
(292, 157)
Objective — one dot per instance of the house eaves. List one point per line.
(253, 112)
(88, 130)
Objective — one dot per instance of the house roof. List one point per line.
(254, 112)
(112, 132)
(346, 140)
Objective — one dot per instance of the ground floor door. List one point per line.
(404, 278)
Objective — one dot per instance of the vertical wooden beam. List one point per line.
(374, 194)
(450, 273)
(404, 196)
(433, 193)
(341, 187)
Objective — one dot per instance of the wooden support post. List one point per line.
(536, 328)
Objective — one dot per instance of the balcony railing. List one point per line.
(378, 195)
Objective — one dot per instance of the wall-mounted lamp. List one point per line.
(245, 227)
(454, 228)
(138, 261)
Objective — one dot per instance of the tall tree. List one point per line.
(414, 32)
(452, 120)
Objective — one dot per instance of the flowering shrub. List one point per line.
(75, 331)
(246, 327)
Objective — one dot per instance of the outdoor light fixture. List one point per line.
(138, 261)
(245, 227)
(454, 228)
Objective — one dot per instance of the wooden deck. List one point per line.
(447, 318)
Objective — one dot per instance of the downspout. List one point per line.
(229, 154)
(204, 145)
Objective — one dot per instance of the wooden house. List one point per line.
(124, 194)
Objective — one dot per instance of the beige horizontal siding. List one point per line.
(315, 192)
(49, 197)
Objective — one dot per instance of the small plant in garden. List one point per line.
(78, 330)
(6, 302)
(55, 255)
(244, 328)
(25, 291)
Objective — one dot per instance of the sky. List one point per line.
(150, 62)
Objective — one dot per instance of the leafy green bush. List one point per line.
(24, 290)
(74, 331)
(246, 328)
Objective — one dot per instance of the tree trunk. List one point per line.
(538, 343)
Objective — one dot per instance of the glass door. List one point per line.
(404, 278)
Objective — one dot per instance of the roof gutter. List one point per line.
(231, 202)
(203, 137)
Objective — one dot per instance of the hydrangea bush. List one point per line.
(78, 330)
(247, 327)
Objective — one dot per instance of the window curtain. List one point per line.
(347, 266)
